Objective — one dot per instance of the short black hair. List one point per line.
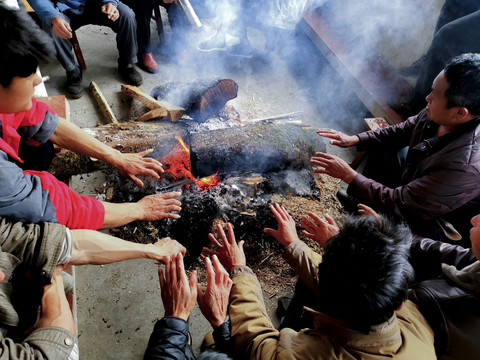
(22, 44)
(365, 271)
(213, 355)
(463, 76)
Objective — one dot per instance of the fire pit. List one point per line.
(226, 175)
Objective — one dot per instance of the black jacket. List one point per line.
(453, 313)
(170, 340)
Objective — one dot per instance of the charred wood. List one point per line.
(201, 99)
(259, 148)
(126, 137)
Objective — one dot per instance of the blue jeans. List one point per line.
(125, 27)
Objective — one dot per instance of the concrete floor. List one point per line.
(118, 304)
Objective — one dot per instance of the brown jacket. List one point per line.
(440, 177)
(405, 336)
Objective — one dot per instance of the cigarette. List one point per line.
(45, 78)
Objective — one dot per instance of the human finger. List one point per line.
(180, 269)
(208, 251)
(135, 180)
(210, 271)
(308, 234)
(221, 234)
(172, 194)
(231, 234)
(192, 283)
(317, 219)
(161, 277)
(219, 269)
(281, 212)
(215, 242)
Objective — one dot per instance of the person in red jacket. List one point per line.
(29, 127)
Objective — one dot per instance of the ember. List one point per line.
(177, 163)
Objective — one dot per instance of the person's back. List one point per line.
(361, 312)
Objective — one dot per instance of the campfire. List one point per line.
(232, 180)
(227, 170)
(177, 162)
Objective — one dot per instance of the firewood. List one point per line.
(153, 114)
(200, 99)
(254, 148)
(259, 148)
(103, 104)
(128, 137)
(173, 112)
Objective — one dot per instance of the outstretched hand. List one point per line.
(179, 293)
(158, 206)
(286, 232)
(168, 247)
(333, 166)
(319, 229)
(228, 251)
(132, 164)
(368, 211)
(338, 138)
(214, 301)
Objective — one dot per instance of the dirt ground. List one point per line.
(266, 259)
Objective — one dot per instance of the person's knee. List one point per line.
(126, 13)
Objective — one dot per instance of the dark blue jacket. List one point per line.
(169, 340)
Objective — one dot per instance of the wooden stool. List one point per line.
(157, 16)
(78, 51)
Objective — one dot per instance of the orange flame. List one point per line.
(179, 165)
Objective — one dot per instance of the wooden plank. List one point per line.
(173, 112)
(103, 104)
(374, 80)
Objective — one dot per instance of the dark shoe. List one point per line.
(130, 74)
(74, 85)
(214, 44)
(282, 305)
(148, 63)
(244, 50)
(348, 202)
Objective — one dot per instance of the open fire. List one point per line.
(178, 163)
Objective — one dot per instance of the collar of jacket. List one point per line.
(385, 335)
(440, 142)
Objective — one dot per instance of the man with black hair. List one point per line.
(61, 18)
(436, 185)
(29, 127)
(360, 282)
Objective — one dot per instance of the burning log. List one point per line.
(201, 99)
(126, 137)
(259, 148)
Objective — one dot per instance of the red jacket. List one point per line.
(35, 196)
